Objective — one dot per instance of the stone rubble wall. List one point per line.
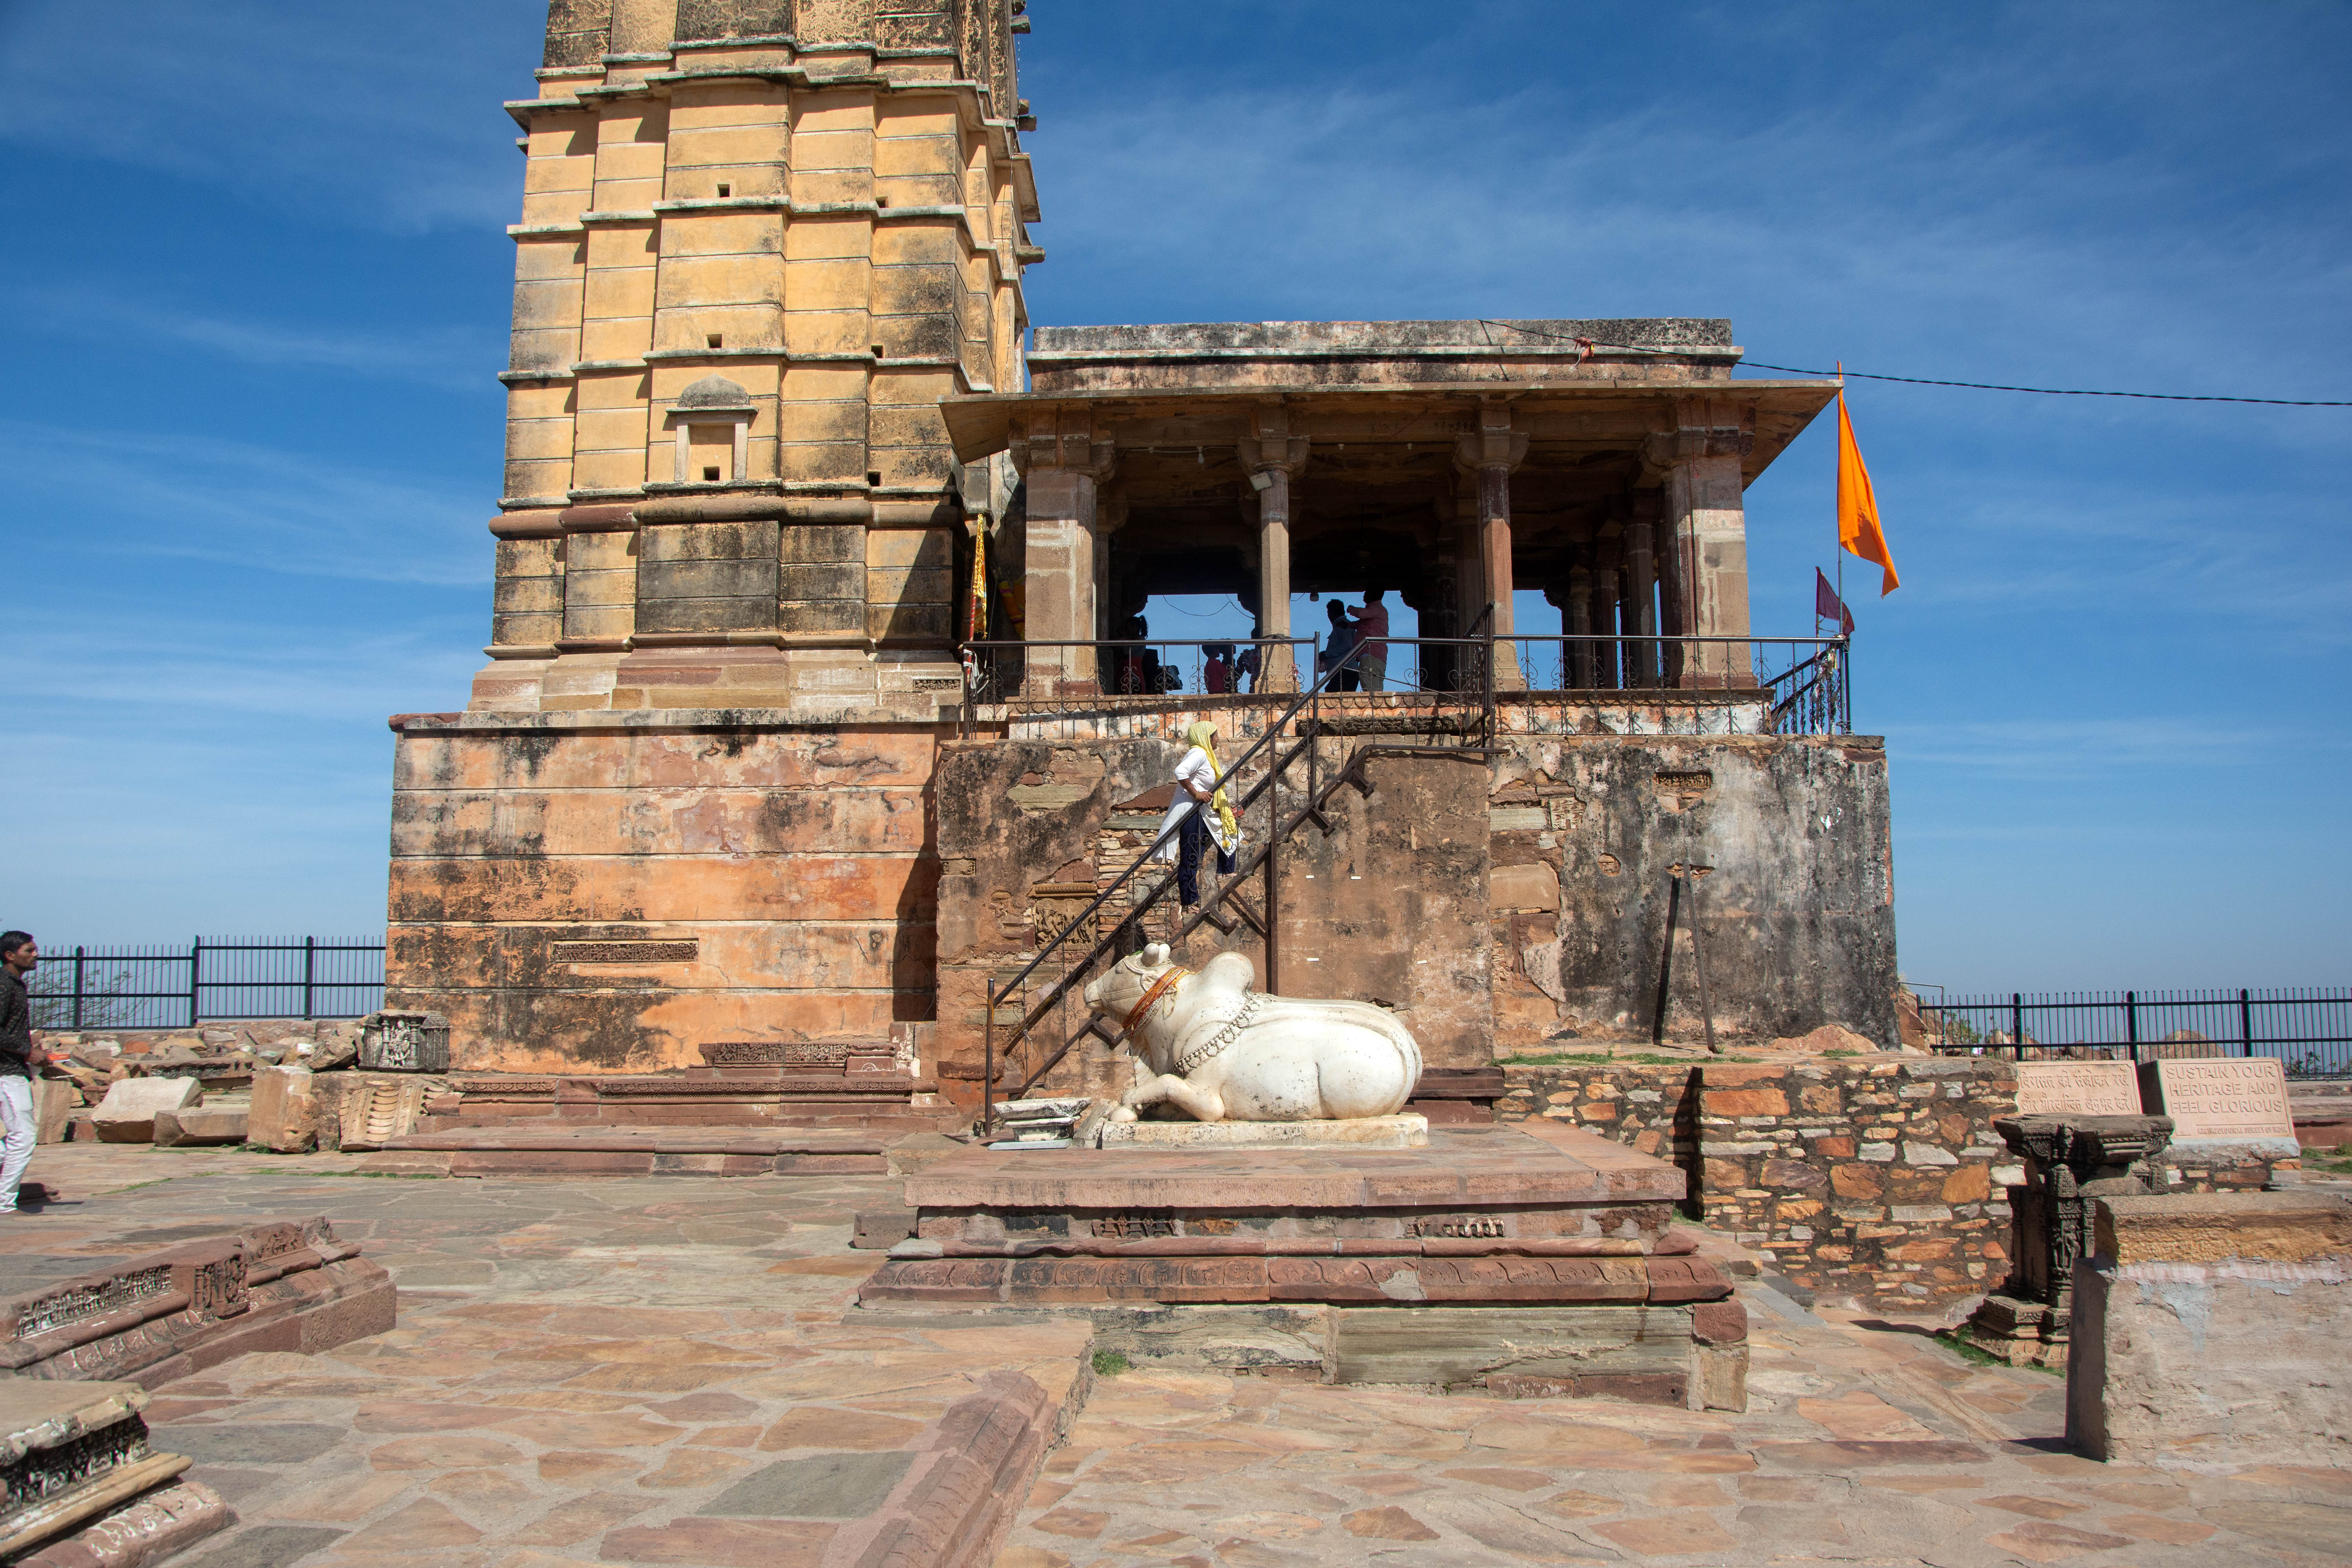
(1877, 1180)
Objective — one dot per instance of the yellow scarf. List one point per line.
(1203, 734)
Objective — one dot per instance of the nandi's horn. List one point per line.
(1155, 955)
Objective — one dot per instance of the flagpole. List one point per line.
(1837, 545)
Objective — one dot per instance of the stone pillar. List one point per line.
(1642, 594)
(1581, 657)
(2069, 1161)
(1490, 455)
(1067, 462)
(1700, 460)
(1603, 620)
(1272, 457)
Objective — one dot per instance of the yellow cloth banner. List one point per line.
(1857, 508)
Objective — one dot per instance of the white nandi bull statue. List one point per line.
(1220, 1051)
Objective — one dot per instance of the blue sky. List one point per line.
(258, 289)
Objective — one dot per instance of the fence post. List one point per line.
(2131, 1021)
(2245, 1024)
(77, 1005)
(195, 980)
(2017, 1024)
(310, 970)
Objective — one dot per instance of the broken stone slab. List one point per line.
(1402, 1131)
(1063, 1110)
(72, 1453)
(55, 1101)
(284, 1114)
(157, 1526)
(127, 1114)
(184, 1129)
(154, 1316)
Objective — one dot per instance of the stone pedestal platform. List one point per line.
(1407, 1132)
(1536, 1260)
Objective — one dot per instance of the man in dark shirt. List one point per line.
(18, 1056)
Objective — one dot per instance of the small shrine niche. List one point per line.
(712, 421)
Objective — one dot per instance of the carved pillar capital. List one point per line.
(1067, 439)
(1284, 455)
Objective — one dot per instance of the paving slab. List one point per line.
(1866, 1442)
(637, 1370)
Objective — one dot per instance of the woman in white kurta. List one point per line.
(1189, 828)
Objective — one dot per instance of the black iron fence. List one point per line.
(1803, 679)
(2309, 1030)
(166, 986)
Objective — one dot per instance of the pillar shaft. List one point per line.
(1641, 600)
(1066, 463)
(1604, 624)
(1582, 656)
(1491, 454)
(1706, 528)
(1272, 457)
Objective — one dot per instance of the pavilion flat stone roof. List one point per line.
(1699, 336)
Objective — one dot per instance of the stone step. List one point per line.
(601, 1149)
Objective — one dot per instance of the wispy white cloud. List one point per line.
(2076, 749)
(457, 359)
(383, 116)
(259, 508)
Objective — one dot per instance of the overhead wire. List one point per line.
(1925, 380)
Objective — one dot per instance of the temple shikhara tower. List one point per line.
(804, 742)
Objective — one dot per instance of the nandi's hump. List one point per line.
(1228, 972)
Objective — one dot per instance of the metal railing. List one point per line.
(1274, 828)
(1804, 677)
(2309, 1030)
(163, 987)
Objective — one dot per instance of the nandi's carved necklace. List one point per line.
(1223, 1037)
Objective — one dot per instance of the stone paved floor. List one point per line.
(617, 1370)
(590, 1371)
(1864, 1442)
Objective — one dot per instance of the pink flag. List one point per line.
(1827, 606)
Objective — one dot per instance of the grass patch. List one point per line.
(1110, 1364)
(390, 1175)
(1968, 1350)
(1644, 1058)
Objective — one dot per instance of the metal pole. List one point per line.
(2017, 1024)
(2131, 1021)
(988, 1067)
(195, 980)
(310, 972)
(77, 1005)
(1699, 954)
(1666, 961)
(1273, 875)
(2245, 1024)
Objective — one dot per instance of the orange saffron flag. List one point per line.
(1857, 508)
